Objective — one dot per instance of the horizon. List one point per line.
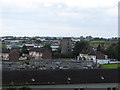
(61, 36)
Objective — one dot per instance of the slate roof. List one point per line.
(40, 50)
(92, 53)
(14, 51)
(39, 77)
(5, 50)
(15, 46)
(37, 49)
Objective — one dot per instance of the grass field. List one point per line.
(109, 66)
(96, 43)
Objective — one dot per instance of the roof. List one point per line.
(92, 53)
(14, 51)
(37, 49)
(5, 50)
(14, 46)
(29, 45)
(40, 50)
(60, 76)
(66, 37)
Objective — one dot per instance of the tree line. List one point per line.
(112, 51)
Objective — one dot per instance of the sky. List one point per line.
(67, 18)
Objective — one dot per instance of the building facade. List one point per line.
(14, 55)
(66, 45)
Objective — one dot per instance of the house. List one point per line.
(29, 46)
(86, 56)
(54, 47)
(40, 53)
(35, 53)
(4, 55)
(14, 40)
(83, 57)
(92, 56)
(14, 55)
(46, 54)
(14, 47)
(100, 55)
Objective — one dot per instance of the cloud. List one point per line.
(95, 3)
(30, 28)
(69, 3)
(68, 14)
(47, 5)
(112, 11)
(19, 3)
(59, 17)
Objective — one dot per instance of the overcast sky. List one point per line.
(98, 18)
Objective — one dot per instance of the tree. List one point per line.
(57, 54)
(80, 47)
(48, 46)
(24, 50)
(99, 48)
(112, 51)
(38, 41)
(82, 38)
(88, 38)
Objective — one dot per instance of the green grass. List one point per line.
(96, 43)
(17, 44)
(106, 42)
(109, 66)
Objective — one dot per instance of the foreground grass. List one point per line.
(109, 66)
